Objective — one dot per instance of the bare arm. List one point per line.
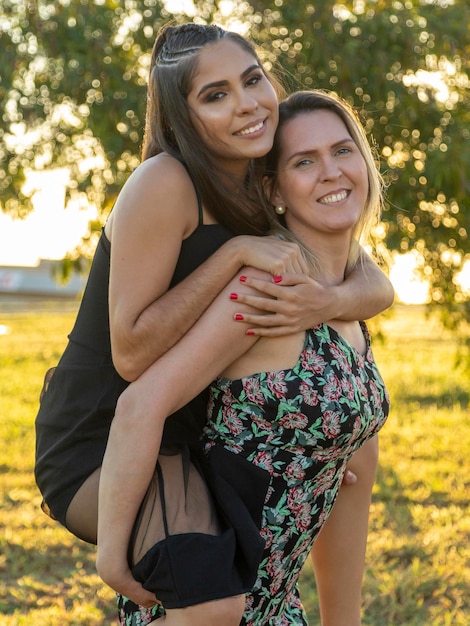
(212, 344)
(338, 553)
(156, 210)
(301, 302)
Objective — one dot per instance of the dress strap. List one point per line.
(199, 203)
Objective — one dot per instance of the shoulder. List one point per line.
(160, 188)
(163, 173)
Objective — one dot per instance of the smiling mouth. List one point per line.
(251, 129)
(335, 197)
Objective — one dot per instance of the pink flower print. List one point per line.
(265, 461)
(252, 389)
(277, 582)
(356, 428)
(375, 395)
(276, 384)
(361, 360)
(227, 397)
(295, 470)
(331, 426)
(267, 535)
(210, 406)
(295, 497)
(339, 355)
(323, 516)
(348, 389)
(261, 422)
(309, 394)
(231, 420)
(274, 563)
(312, 361)
(361, 387)
(294, 420)
(303, 517)
(332, 389)
(324, 481)
(301, 548)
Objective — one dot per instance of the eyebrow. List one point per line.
(303, 153)
(222, 83)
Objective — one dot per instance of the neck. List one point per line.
(331, 253)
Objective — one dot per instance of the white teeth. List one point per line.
(250, 130)
(336, 197)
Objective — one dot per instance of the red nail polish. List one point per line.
(277, 279)
(250, 332)
(238, 316)
(242, 279)
(234, 296)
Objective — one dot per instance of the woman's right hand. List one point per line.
(120, 579)
(269, 254)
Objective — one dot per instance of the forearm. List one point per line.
(366, 292)
(163, 322)
(338, 553)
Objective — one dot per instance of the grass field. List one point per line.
(418, 571)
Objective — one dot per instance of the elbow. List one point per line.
(128, 363)
(126, 369)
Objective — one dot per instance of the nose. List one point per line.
(330, 168)
(246, 103)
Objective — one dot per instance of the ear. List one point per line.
(271, 191)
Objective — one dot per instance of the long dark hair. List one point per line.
(169, 127)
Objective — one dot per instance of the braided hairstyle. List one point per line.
(169, 127)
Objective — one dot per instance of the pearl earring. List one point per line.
(280, 209)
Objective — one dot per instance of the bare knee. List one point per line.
(223, 612)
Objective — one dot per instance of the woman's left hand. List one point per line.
(287, 304)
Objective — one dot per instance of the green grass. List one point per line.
(418, 562)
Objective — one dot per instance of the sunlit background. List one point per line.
(50, 231)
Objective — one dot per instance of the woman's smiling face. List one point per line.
(233, 105)
(322, 176)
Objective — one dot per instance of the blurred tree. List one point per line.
(406, 66)
(72, 94)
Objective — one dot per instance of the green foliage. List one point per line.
(418, 571)
(406, 67)
(72, 95)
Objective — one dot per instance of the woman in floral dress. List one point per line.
(302, 424)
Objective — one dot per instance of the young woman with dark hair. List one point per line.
(167, 250)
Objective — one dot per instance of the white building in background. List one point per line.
(37, 282)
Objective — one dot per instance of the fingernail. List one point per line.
(277, 279)
(238, 316)
(250, 332)
(242, 279)
(234, 296)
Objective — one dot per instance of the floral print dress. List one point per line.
(301, 426)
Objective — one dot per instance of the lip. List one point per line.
(334, 197)
(259, 127)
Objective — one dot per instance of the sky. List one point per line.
(49, 231)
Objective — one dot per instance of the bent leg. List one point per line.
(82, 514)
(181, 553)
(338, 554)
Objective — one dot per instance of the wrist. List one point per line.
(336, 301)
(235, 249)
